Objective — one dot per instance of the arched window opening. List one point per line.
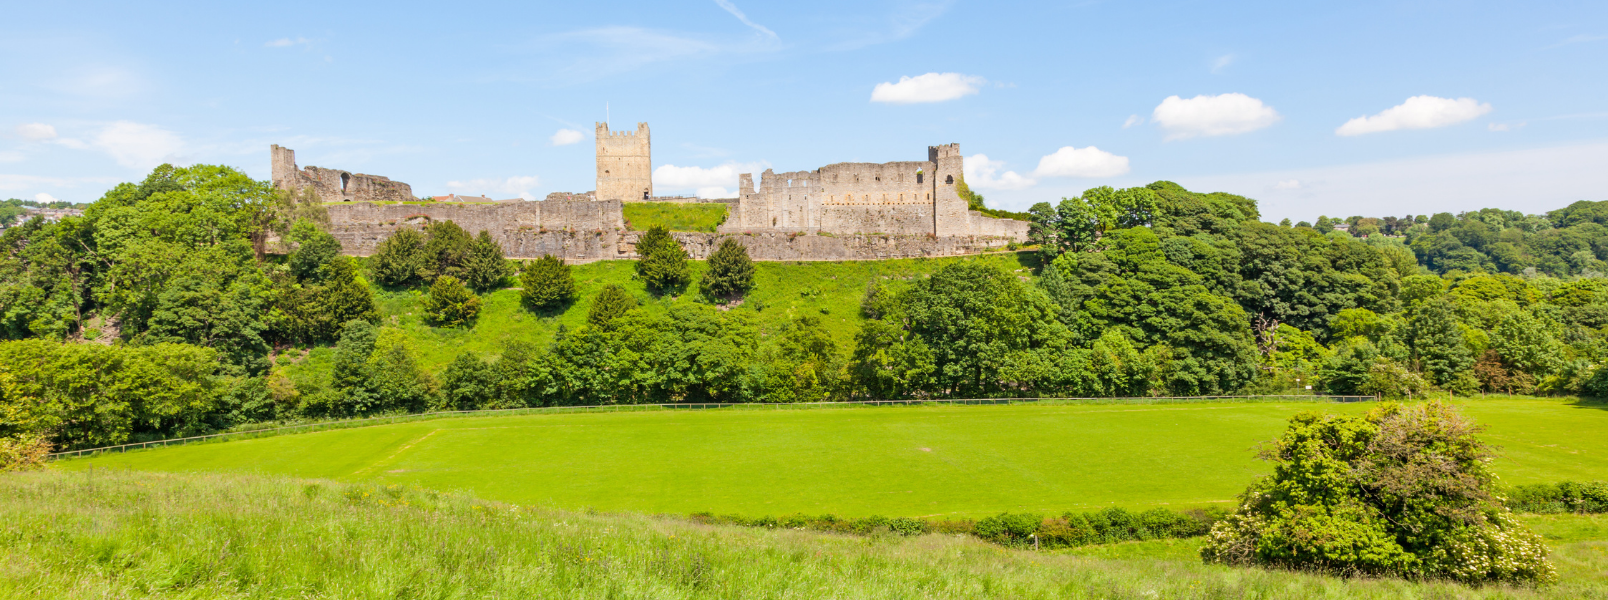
(345, 178)
(949, 179)
(918, 176)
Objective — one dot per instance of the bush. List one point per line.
(315, 250)
(1399, 491)
(610, 303)
(664, 263)
(23, 452)
(731, 272)
(547, 283)
(486, 268)
(445, 252)
(467, 384)
(397, 259)
(450, 304)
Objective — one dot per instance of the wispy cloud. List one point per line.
(732, 8)
(931, 87)
(905, 20)
(1418, 112)
(1577, 39)
(565, 137)
(1222, 62)
(286, 42)
(1206, 116)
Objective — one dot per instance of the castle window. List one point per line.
(345, 177)
(918, 176)
(949, 179)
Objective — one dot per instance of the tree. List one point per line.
(450, 304)
(397, 259)
(1525, 344)
(1438, 345)
(731, 272)
(1403, 492)
(546, 283)
(664, 263)
(468, 383)
(609, 305)
(486, 267)
(446, 251)
(315, 250)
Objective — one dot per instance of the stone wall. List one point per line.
(624, 163)
(334, 185)
(583, 231)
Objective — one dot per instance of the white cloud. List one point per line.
(671, 177)
(43, 197)
(1224, 114)
(138, 146)
(1288, 184)
(715, 191)
(1133, 120)
(519, 185)
(565, 137)
(732, 8)
(1222, 62)
(1418, 112)
(11, 156)
(36, 131)
(984, 174)
(285, 42)
(1081, 162)
(932, 87)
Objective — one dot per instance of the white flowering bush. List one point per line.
(1399, 491)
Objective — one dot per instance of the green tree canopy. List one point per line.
(450, 304)
(730, 273)
(664, 263)
(546, 283)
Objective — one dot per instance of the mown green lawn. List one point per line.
(898, 461)
(674, 216)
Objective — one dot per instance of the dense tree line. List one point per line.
(1142, 291)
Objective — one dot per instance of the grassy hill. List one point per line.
(890, 461)
(783, 290)
(113, 534)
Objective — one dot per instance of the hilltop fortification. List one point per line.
(624, 163)
(334, 185)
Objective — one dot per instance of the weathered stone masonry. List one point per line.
(333, 185)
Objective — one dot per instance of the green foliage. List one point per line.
(315, 251)
(468, 383)
(1401, 491)
(674, 216)
(398, 259)
(486, 268)
(450, 304)
(374, 372)
(92, 395)
(1438, 344)
(610, 304)
(546, 283)
(1076, 223)
(730, 273)
(664, 263)
(446, 251)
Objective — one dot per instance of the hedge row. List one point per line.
(1068, 530)
(1564, 497)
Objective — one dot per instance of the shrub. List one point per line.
(486, 268)
(467, 384)
(23, 452)
(1398, 491)
(610, 303)
(315, 250)
(547, 283)
(450, 304)
(445, 252)
(664, 263)
(397, 258)
(731, 272)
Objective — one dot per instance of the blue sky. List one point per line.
(1347, 108)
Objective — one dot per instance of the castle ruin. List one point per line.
(334, 185)
(842, 211)
(624, 164)
(867, 198)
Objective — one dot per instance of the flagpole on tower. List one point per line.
(606, 116)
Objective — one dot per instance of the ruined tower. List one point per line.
(624, 164)
(949, 211)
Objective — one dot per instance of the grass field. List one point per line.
(107, 534)
(900, 461)
(782, 291)
(674, 216)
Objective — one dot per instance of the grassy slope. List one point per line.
(902, 461)
(783, 290)
(112, 534)
(639, 216)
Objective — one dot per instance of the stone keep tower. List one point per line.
(624, 164)
(949, 211)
